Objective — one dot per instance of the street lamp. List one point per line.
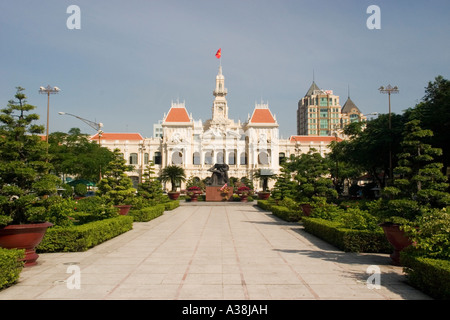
(389, 90)
(94, 125)
(48, 91)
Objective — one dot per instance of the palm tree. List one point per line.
(174, 174)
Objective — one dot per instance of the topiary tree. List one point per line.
(24, 167)
(150, 188)
(420, 181)
(116, 186)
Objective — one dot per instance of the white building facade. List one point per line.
(248, 148)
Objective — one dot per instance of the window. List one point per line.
(243, 158)
(133, 158)
(263, 158)
(354, 118)
(232, 157)
(323, 124)
(196, 158)
(177, 157)
(145, 158)
(281, 157)
(157, 159)
(209, 157)
(324, 113)
(220, 158)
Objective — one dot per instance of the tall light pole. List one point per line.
(389, 90)
(48, 91)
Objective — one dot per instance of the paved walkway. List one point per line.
(204, 251)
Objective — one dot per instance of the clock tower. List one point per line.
(220, 106)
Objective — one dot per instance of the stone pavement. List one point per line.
(216, 252)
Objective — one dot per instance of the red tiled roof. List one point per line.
(119, 136)
(262, 116)
(327, 139)
(177, 115)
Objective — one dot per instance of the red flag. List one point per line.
(219, 53)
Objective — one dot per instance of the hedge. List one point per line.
(265, 204)
(348, 240)
(147, 214)
(172, 204)
(285, 213)
(82, 237)
(432, 276)
(10, 266)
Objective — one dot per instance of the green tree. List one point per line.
(174, 174)
(116, 186)
(311, 177)
(369, 147)
(24, 169)
(285, 186)
(150, 188)
(420, 177)
(74, 154)
(434, 114)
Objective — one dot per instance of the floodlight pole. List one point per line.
(389, 89)
(48, 90)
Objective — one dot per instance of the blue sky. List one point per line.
(130, 59)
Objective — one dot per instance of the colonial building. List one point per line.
(249, 147)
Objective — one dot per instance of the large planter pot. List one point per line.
(397, 238)
(173, 195)
(24, 236)
(194, 197)
(263, 195)
(123, 209)
(244, 197)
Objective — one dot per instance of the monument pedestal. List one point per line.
(213, 193)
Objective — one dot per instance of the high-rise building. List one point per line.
(319, 113)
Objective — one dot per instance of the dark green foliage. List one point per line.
(349, 240)
(24, 169)
(147, 214)
(116, 186)
(432, 276)
(150, 188)
(10, 266)
(173, 174)
(83, 237)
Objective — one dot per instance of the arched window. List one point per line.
(243, 158)
(209, 157)
(232, 157)
(177, 157)
(263, 158)
(145, 158)
(220, 158)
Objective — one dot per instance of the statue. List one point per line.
(219, 174)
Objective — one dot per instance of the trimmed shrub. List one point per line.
(10, 266)
(265, 204)
(82, 237)
(286, 213)
(147, 214)
(171, 205)
(348, 240)
(432, 276)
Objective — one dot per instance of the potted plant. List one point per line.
(24, 179)
(193, 192)
(116, 186)
(420, 186)
(244, 192)
(265, 177)
(175, 175)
